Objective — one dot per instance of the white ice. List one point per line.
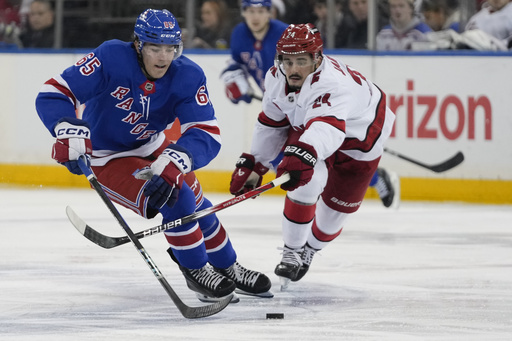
(427, 271)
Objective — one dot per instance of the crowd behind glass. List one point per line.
(207, 24)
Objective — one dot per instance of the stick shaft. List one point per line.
(188, 312)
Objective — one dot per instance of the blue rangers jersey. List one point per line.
(126, 112)
(252, 55)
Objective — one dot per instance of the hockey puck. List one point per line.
(278, 316)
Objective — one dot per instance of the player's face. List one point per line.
(297, 68)
(257, 18)
(157, 59)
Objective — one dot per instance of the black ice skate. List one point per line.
(388, 188)
(248, 282)
(289, 267)
(207, 282)
(307, 258)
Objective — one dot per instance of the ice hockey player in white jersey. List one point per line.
(132, 92)
(332, 123)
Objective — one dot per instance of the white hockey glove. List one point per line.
(237, 86)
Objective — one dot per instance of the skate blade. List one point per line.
(208, 299)
(395, 182)
(284, 282)
(266, 294)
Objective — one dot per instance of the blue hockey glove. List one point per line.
(166, 176)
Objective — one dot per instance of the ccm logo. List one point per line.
(305, 155)
(74, 132)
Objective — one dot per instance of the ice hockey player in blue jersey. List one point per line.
(132, 92)
(253, 48)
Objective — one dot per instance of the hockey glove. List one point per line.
(247, 175)
(237, 86)
(166, 176)
(299, 160)
(73, 140)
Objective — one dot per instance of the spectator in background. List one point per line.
(495, 19)
(39, 31)
(299, 11)
(321, 12)
(278, 9)
(215, 28)
(353, 30)
(441, 14)
(404, 29)
(9, 24)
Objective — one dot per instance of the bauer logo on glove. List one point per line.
(304, 154)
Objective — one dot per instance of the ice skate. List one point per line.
(289, 267)
(208, 299)
(307, 258)
(388, 188)
(208, 282)
(248, 282)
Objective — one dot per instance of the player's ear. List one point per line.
(137, 44)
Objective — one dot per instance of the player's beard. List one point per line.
(293, 88)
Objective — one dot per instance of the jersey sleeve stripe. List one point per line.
(61, 87)
(374, 129)
(209, 127)
(266, 121)
(331, 120)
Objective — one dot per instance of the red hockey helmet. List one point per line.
(302, 38)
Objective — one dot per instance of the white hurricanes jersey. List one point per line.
(337, 109)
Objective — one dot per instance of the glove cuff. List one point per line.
(70, 127)
(303, 151)
(179, 156)
(260, 169)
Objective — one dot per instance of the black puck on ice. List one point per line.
(278, 316)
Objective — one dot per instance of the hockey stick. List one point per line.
(186, 311)
(256, 97)
(438, 168)
(110, 242)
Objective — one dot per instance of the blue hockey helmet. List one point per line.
(256, 3)
(158, 27)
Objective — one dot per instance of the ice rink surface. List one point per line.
(427, 271)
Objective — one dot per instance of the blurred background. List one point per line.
(87, 23)
(445, 66)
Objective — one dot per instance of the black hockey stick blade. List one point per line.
(108, 242)
(186, 311)
(438, 168)
(93, 235)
